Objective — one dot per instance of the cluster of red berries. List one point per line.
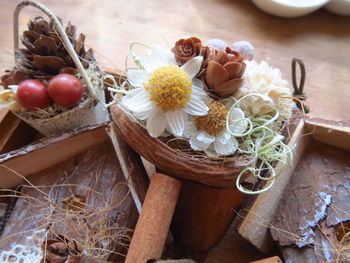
(64, 89)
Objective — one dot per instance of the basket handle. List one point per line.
(58, 27)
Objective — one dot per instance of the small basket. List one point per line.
(91, 111)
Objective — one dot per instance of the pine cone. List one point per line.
(45, 55)
(61, 250)
(224, 73)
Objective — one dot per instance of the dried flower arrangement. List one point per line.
(215, 102)
(56, 83)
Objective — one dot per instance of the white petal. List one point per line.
(157, 58)
(176, 122)
(196, 107)
(239, 127)
(137, 101)
(190, 127)
(225, 144)
(198, 83)
(197, 144)
(211, 152)
(144, 114)
(238, 124)
(193, 66)
(205, 137)
(236, 114)
(137, 77)
(151, 63)
(198, 91)
(156, 123)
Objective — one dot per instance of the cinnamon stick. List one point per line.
(154, 221)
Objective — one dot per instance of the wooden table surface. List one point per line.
(322, 40)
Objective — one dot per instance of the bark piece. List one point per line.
(313, 203)
(95, 175)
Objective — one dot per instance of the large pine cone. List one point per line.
(45, 55)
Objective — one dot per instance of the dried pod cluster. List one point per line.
(222, 70)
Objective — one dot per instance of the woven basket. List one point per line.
(91, 111)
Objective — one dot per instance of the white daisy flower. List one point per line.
(165, 94)
(209, 133)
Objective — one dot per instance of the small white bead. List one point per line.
(244, 48)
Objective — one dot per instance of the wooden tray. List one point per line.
(72, 161)
(258, 214)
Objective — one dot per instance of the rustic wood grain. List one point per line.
(94, 175)
(14, 133)
(319, 194)
(256, 217)
(46, 153)
(321, 39)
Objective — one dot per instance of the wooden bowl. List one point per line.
(210, 172)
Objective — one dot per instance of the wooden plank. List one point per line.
(254, 225)
(14, 133)
(3, 113)
(8, 124)
(133, 170)
(330, 132)
(46, 153)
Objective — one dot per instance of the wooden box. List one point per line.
(320, 168)
(74, 186)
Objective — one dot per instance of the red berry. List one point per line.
(32, 94)
(66, 90)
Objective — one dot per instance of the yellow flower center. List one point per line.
(169, 87)
(215, 121)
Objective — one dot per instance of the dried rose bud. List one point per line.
(216, 43)
(224, 73)
(245, 49)
(185, 49)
